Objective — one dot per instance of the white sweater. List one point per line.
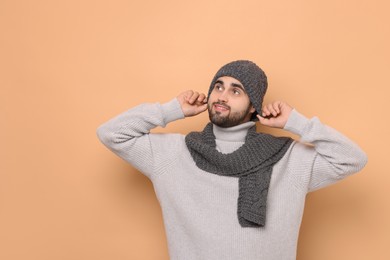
(200, 208)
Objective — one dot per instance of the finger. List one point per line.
(276, 106)
(201, 108)
(272, 110)
(187, 94)
(202, 98)
(193, 97)
(265, 111)
(263, 121)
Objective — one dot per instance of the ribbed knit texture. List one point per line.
(251, 163)
(199, 208)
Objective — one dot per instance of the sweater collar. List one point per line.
(232, 134)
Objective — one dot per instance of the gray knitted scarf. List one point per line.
(252, 163)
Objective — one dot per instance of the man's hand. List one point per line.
(192, 103)
(275, 114)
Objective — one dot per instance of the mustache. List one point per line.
(221, 104)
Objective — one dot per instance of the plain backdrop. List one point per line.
(68, 66)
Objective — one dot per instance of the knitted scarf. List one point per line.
(252, 163)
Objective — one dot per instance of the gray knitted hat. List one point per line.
(251, 76)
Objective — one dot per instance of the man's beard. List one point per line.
(232, 119)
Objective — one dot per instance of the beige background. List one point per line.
(68, 66)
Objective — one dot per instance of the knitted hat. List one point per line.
(251, 76)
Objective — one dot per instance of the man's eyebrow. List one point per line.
(236, 85)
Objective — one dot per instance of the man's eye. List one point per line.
(236, 92)
(218, 87)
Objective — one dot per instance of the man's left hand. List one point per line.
(275, 114)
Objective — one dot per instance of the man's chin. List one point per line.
(219, 120)
(228, 119)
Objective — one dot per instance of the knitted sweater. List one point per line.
(200, 209)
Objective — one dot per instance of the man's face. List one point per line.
(228, 103)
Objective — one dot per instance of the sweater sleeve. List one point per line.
(128, 134)
(335, 155)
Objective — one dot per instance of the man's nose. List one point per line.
(223, 97)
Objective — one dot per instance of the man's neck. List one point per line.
(233, 134)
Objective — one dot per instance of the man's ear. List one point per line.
(252, 110)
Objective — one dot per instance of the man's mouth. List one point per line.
(220, 107)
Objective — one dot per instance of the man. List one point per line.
(229, 192)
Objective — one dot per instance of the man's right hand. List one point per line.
(192, 103)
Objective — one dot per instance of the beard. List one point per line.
(229, 120)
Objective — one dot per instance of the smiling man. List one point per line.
(229, 89)
(229, 192)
